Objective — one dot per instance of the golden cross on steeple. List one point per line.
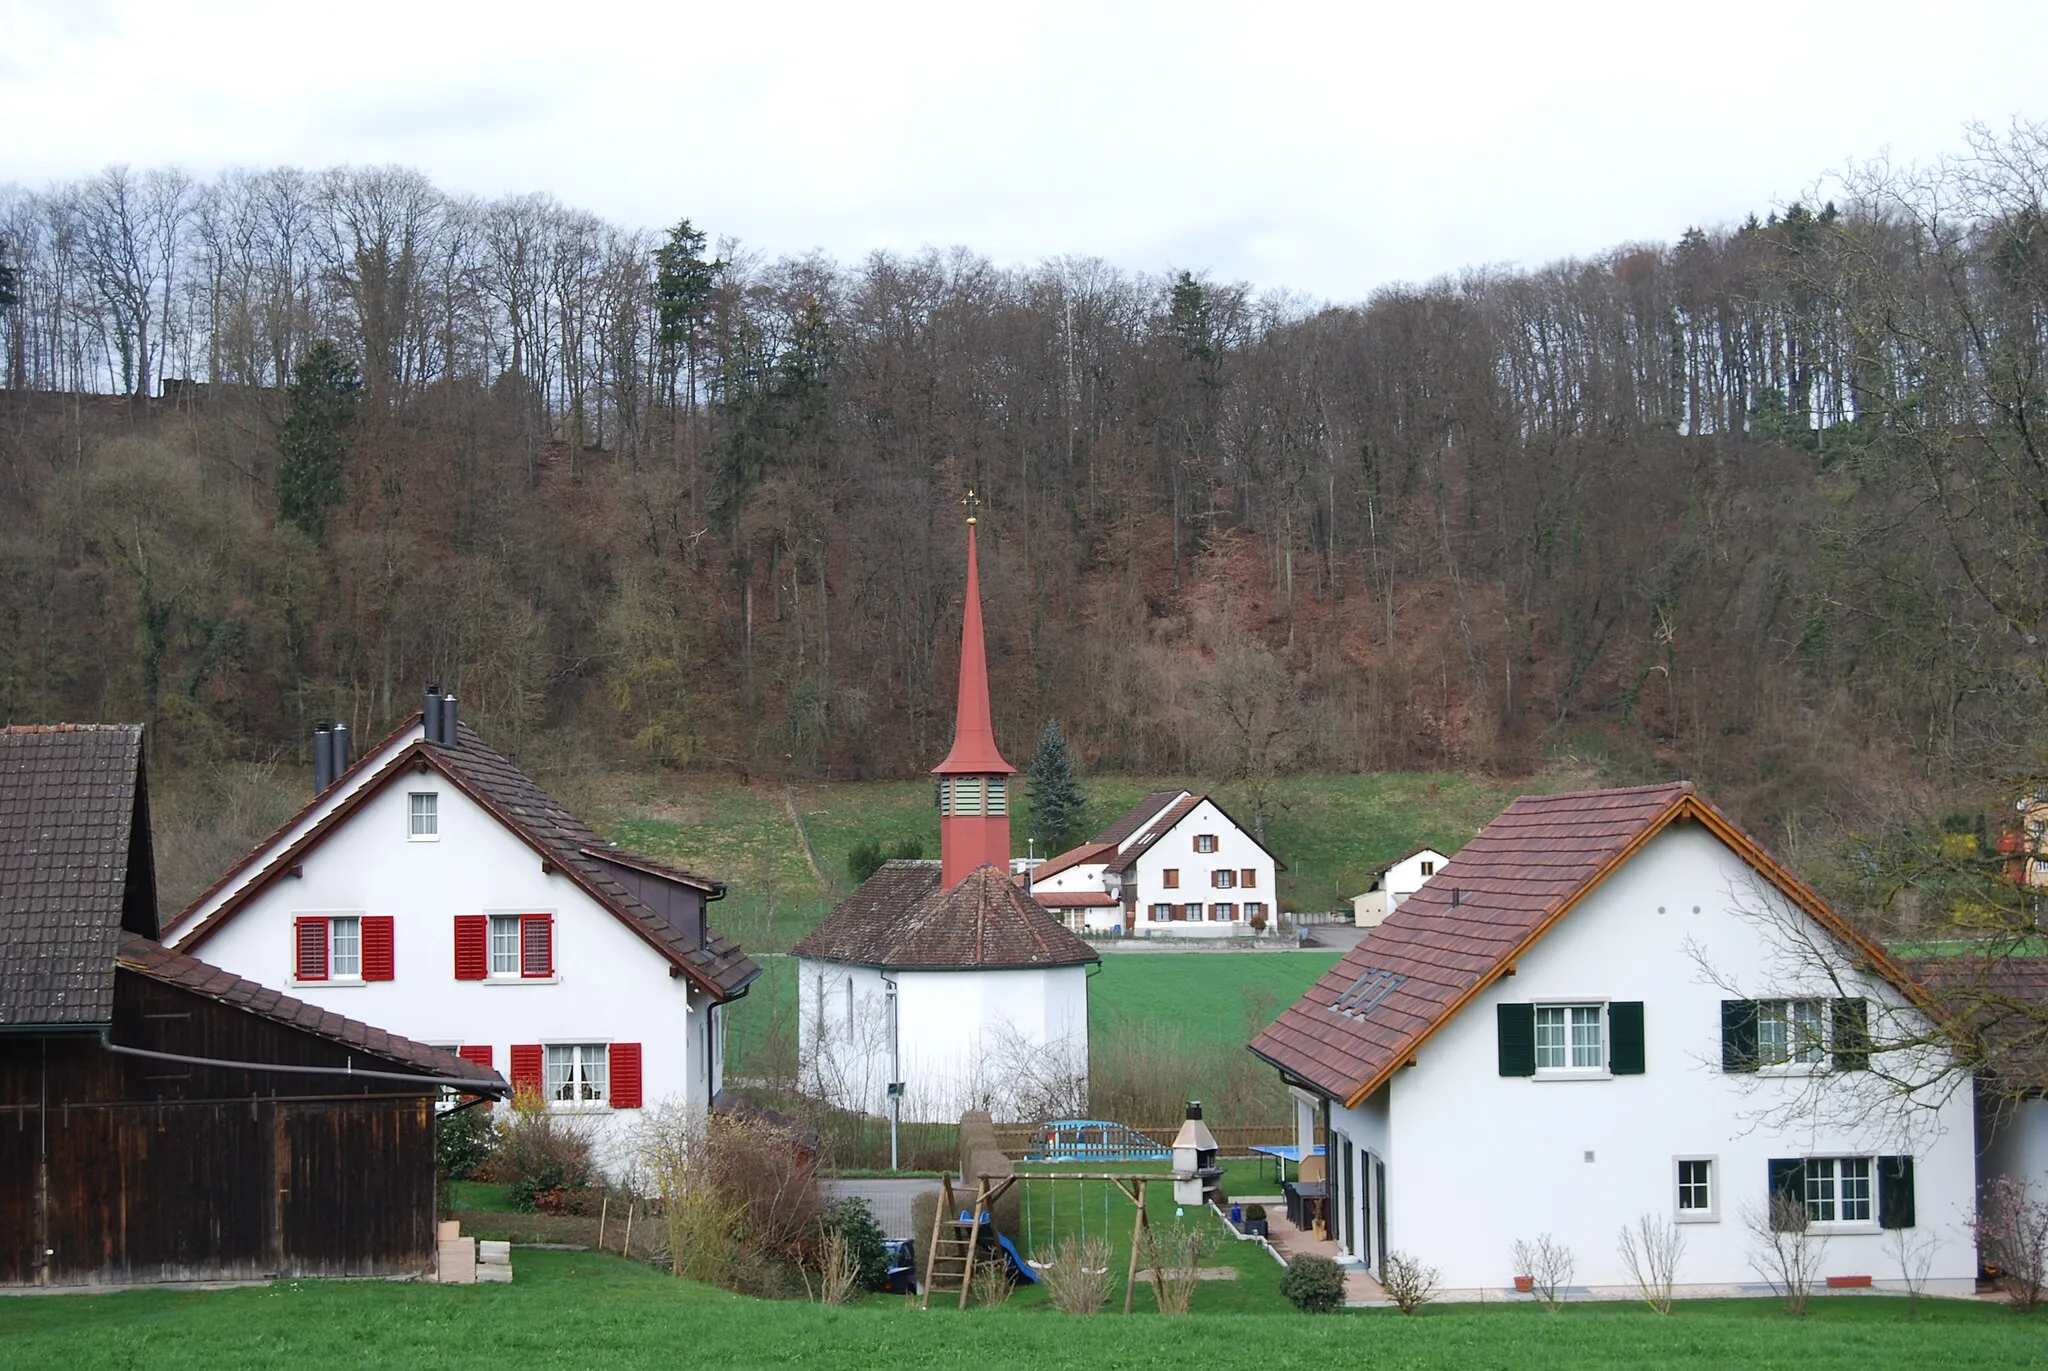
(973, 502)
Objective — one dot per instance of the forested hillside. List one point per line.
(1766, 504)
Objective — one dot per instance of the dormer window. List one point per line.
(423, 816)
(1428, 870)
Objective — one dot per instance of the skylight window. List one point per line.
(1368, 990)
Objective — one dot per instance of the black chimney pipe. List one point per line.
(449, 737)
(323, 758)
(1194, 1109)
(337, 755)
(432, 731)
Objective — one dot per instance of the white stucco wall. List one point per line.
(1476, 1160)
(2014, 1138)
(964, 1037)
(609, 986)
(1235, 851)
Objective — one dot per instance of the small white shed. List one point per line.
(1395, 882)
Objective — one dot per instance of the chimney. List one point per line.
(1195, 1172)
(323, 758)
(449, 737)
(337, 758)
(431, 729)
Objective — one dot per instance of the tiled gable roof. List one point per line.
(1073, 857)
(899, 919)
(1462, 930)
(74, 867)
(159, 963)
(1151, 833)
(1138, 815)
(510, 795)
(2002, 1001)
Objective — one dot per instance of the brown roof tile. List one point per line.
(75, 868)
(1071, 858)
(900, 919)
(2003, 1000)
(1138, 815)
(1449, 939)
(145, 957)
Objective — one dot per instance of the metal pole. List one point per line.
(895, 1074)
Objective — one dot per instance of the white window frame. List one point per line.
(415, 811)
(577, 1080)
(494, 920)
(328, 919)
(1571, 1069)
(1712, 1212)
(1836, 1187)
(1795, 1047)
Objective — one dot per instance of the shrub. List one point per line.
(838, 1269)
(541, 1156)
(990, 1284)
(1408, 1283)
(1255, 1213)
(851, 1219)
(1315, 1285)
(1078, 1281)
(868, 854)
(1177, 1257)
(1785, 1250)
(1649, 1252)
(739, 1199)
(1548, 1264)
(2012, 1239)
(463, 1142)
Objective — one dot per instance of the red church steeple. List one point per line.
(974, 808)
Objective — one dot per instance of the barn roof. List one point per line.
(512, 797)
(2002, 1003)
(147, 958)
(75, 868)
(899, 919)
(1139, 815)
(1446, 943)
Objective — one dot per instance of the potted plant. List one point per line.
(1525, 1284)
(1255, 1220)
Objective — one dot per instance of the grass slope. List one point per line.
(1208, 999)
(583, 1310)
(1331, 831)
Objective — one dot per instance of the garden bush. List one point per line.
(541, 1157)
(463, 1143)
(1314, 1284)
(853, 1220)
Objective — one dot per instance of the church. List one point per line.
(938, 987)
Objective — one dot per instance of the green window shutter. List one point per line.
(1849, 1028)
(1788, 1180)
(1738, 1035)
(1895, 1192)
(1517, 1024)
(1625, 1031)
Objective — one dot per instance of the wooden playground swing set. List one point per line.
(956, 1232)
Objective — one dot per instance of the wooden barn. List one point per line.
(162, 1119)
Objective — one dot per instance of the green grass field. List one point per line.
(1331, 831)
(586, 1310)
(1210, 1001)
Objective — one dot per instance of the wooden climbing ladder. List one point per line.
(955, 1237)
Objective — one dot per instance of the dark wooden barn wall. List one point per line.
(161, 1172)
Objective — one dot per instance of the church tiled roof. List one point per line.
(901, 920)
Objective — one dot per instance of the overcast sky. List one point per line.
(1325, 149)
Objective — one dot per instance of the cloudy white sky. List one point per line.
(1325, 149)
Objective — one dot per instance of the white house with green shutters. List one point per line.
(1614, 1004)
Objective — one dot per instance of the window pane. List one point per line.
(595, 1061)
(504, 945)
(426, 818)
(1771, 1033)
(1693, 1190)
(1550, 1052)
(345, 947)
(561, 1072)
(1586, 1037)
(1809, 1041)
(1855, 1188)
(1820, 1191)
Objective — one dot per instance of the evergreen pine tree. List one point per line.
(1056, 801)
(320, 409)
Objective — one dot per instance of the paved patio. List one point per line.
(1361, 1290)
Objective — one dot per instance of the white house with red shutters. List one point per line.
(433, 888)
(1173, 865)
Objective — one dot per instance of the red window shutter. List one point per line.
(625, 1075)
(472, 947)
(1250, 878)
(536, 944)
(526, 1067)
(379, 948)
(311, 959)
(480, 1055)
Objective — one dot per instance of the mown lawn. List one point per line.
(587, 1310)
(1331, 831)
(1207, 999)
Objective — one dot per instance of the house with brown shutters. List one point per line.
(1613, 1004)
(162, 1119)
(1173, 865)
(434, 887)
